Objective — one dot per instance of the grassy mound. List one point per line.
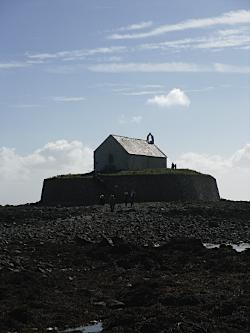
(164, 171)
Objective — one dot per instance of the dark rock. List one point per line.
(19, 314)
(143, 294)
(115, 304)
(184, 245)
(83, 241)
(70, 265)
(180, 300)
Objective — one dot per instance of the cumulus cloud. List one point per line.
(21, 176)
(176, 97)
(232, 173)
(229, 18)
(242, 157)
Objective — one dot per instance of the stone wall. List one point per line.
(169, 187)
(138, 162)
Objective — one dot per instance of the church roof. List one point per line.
(138, 146)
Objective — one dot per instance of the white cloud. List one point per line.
(26, 106)
(205, 89)
(227, 38)
(11, 65)
(113, 58)
(227, 68)
(168, 67)
(136, 119)
(122, 120)
(242, 157)
(140, 93)
(229, 18)
(65, 69)
(136, 26)
(126, 120)
(68, 99)
(232, 174)
(21, 176)
(35, 62)
(176, 97)
(148, 67)
(233, 38)
(76, 54)
(138, 89)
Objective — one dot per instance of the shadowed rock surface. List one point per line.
(137, 270)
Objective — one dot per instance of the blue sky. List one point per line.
(72, 72)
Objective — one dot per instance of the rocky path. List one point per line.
(137, 270)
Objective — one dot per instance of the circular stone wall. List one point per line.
(85, 190)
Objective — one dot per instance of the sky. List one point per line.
(74, 71)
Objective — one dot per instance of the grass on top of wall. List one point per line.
(164, 171)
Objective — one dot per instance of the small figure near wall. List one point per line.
(102, 199)
(112, 202)
(173, 166)
(132, 197)
(126, 198)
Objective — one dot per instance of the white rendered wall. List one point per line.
(110, 147)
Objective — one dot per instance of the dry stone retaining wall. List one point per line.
(149, 188)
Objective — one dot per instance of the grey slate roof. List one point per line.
(138, 146)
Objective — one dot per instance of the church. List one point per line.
(123, 153)
(118, 153)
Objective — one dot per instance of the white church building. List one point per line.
(123, 153)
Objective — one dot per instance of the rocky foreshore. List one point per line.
(142, 269)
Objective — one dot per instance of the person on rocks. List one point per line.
(126, 198)
(102, 199)
(132, 198)
(112, 202)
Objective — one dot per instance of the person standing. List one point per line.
(102, 199)
(126, 198)
(112, 202)
(132, 198)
